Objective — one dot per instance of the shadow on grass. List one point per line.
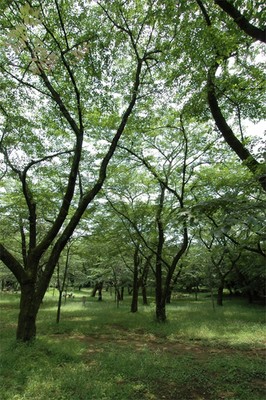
(99, 351)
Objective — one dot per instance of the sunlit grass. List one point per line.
(99, 351)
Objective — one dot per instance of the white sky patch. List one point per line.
(256, 129)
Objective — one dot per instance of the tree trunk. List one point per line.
(100, 288)
(135, 294)
(212, 299)
(135, 291)
(29, 306)
(160, 311)
(220, 295)
(134, 302)
(169, 294)
(144, 295)
(97, 287)
(144, 278)
(196, 292)
(93, 294)
(59, 306)
(160, 298)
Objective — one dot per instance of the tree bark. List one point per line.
(144, 295)
(29, 306)
(160, 311)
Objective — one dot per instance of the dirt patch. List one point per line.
(141, 340)
(195, 350)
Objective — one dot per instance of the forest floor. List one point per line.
(102, 352)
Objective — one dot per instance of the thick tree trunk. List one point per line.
(144, 295)
(134, 302)
(29, 306)
(160, 311)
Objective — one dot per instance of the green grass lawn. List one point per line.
(99, 351)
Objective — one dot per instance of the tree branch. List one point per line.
(13, 264)
(241, 21)
(90, 194)
(252, 164)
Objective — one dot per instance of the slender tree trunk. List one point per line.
(97, 287)
(160, 298)
(135, 291)
(134, 302)
(144, 278)
(59, 306)
(135, 294)
(220, 295)
(169, 294)
(196, 292)
(100, 288)
(212, 299)
(29, 306)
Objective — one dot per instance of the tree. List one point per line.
(53, 60)
(170, 160)
(229, 216)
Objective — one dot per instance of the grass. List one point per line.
(99, 351)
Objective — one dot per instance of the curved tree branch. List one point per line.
(253, 165)
(241, 21)
(259, 170)
(13, 264)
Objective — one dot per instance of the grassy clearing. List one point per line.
(102, 352)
